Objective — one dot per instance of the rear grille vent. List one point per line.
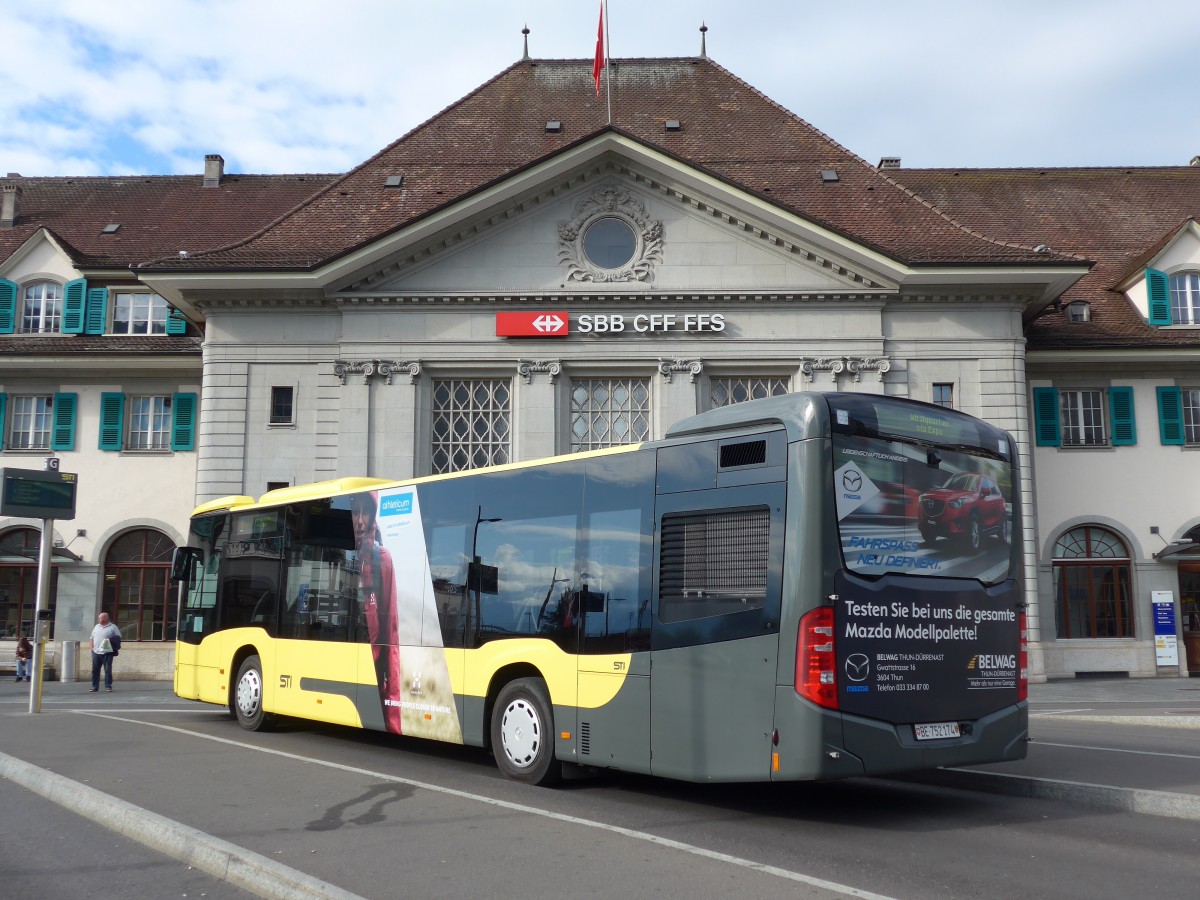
(748, 453)
(585, 738)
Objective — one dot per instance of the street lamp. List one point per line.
(477, 567)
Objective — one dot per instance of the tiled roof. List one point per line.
(60, 344)
(159, 215)
(729, 130)
(1115, 216)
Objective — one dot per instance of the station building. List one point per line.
(521, 276)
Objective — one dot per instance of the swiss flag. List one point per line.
(598, 64)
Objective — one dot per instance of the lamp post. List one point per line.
(477, 567)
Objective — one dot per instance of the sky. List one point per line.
(119, 87)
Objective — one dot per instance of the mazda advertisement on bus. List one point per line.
(936, 649)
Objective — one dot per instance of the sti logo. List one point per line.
(396, 505)
(532, 324)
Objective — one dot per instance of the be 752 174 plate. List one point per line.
(936, 731)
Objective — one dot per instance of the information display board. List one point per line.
(35, 494)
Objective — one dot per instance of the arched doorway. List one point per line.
(19, 550)
(1092, 585)
(137, 585)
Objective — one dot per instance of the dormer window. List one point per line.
(1173, 299)
(41, 308)
(1079, 311)
(1185, 298)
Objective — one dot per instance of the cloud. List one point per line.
(276, 86)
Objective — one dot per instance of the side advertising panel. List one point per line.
(415, 686)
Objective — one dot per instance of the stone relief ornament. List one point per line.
(616, 204)
(668, 367)
(368, 368)
(526, 368)
(831, 365)
(856, 366)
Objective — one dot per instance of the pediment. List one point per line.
(41, 256)
(666, 239)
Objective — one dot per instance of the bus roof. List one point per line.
(353, 484)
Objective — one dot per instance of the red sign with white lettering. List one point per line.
(532, 324)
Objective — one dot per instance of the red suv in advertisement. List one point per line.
(965, 508)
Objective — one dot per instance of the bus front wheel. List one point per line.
(248, 696)
(523, 733)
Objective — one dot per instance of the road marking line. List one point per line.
(1038, 743)
(529, 810)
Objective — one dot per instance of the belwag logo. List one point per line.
(992, 661)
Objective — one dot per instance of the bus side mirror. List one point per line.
(182, 561)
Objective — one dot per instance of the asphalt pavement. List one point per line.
(1131, 744)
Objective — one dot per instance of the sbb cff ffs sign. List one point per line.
(532, 324)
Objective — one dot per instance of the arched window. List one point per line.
(1092, 585)
(1185, 298)
(18, 582)
(41, 309)
(137, 586)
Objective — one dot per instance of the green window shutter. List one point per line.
(183, 422)
(176, 323)
(1045, 417)
(74, 301)
(1158, 292)
(8, 306)
(112, 421)
(3, 420)
(1124, 428)
(62, 434)
(1170, 415)
(96, 319)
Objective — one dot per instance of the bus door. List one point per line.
(715, 638)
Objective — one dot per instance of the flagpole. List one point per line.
(607, 60)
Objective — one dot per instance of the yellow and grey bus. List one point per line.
(811, 586)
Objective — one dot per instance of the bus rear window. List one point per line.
(922, 510)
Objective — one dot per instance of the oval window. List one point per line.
(609, 243)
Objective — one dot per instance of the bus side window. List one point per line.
(320, 595)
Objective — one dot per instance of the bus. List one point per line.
(807, 587)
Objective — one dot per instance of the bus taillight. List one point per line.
(816, 661)
(1023, 658)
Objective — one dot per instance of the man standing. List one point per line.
(105, 638)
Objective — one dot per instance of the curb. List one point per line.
(1145, 802)
(232, 864)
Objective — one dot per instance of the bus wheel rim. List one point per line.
(521, 733)
(249, 693)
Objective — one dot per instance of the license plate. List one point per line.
(936, 731)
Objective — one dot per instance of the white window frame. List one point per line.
(1078, 416)
(723, 388)
(1185, 298)
(31, 418)
(488, 430)
(1190, 398)
(142, 311)
(43, 321)
(155, 416)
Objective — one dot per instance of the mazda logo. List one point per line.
(852, 480)
(858, 667)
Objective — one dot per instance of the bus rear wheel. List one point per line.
(248, 696)
(523, 733)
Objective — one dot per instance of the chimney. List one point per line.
(1195, 161)
(10, 207)
(889, 162)
(214, 168)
